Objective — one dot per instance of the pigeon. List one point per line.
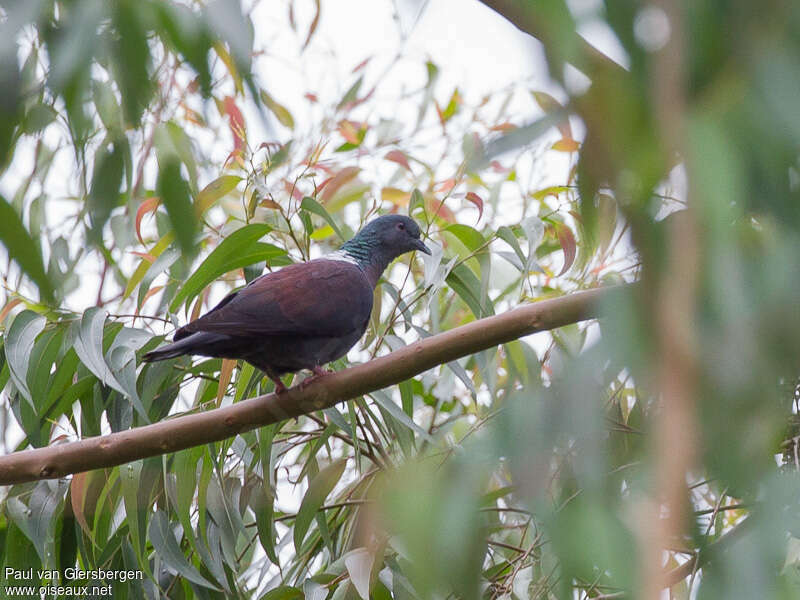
(304, 315)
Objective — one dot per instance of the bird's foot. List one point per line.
(280, 388)
(317, 373)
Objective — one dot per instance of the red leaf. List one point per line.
(398, 157)
(149, 205)
(236, 123)
(332, 184)
(567, 241)
(439, 209)
(313, 27)
(361, 65)
(477, 201)
(446, 185)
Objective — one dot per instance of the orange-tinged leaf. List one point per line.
(198, 304)
(398, 157)
(439, 209)
(152, 292)
(145, 256)
(236, 123)
(566, 145)
(446, 185)
(396, 196)
(78, 487)
(267, 203)
(8, 307)
(477, 201)
(330, 186)
(148, 205)
(567, 240)
(503, 127)
(225, 377)
(349, 131)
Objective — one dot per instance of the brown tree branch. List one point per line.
(195, 429)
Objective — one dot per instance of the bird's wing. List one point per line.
(317, 298)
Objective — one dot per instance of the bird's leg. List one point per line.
(280, 388)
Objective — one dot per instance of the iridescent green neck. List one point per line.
(367, 251)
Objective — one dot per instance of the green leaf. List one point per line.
(318, 490)
(145, 264)
(167, 548)
(89, 346)
(281, 112)
(315, 207)
(284, 592)
(214, 191)
(463, 281)
(104, 196)
(18, 347)
(132, 58)
(384, 401)
(22, 249)
(38, 520)
(505, 234)
(351, 94)
(469, 236)
(232, 253)
(174, 193)
(263, 507)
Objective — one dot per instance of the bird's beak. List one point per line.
(421, 247)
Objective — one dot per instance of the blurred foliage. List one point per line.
(147, 171)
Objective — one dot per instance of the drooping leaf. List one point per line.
(567, 240)
(279, 110)
(174, 193)
(22, 249)
(315, 207)
(19, 343)
(318, 490)
(164, 543)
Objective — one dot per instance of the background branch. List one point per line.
(191, 430)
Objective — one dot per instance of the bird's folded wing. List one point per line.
(317, 298)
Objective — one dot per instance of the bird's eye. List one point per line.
(401, 226)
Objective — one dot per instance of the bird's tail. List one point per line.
(172, 350)
(204, 343)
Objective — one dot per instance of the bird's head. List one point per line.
(384, 239)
